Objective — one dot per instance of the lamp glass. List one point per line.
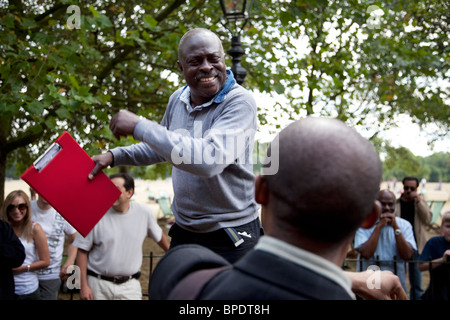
(234, 10)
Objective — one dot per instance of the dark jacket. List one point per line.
(422, 219)
(12, 255)
(259, 275)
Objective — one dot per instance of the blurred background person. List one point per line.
(56, 228)
(16, 210)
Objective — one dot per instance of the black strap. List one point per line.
(190, 287)
(115, 279)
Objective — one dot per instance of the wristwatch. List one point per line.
(397, 232)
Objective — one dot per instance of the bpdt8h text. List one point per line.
(245, 309)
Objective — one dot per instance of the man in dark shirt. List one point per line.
(12, 255)
(412, 207)
(437, 252)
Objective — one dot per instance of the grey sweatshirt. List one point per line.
(210, 147)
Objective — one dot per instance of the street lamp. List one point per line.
(236, 15)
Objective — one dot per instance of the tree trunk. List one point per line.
(2, 176)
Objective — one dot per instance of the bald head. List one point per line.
(387, 201)
(387, 194)
(327, 181)
(201, 32)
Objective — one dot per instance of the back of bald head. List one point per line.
(327, 181)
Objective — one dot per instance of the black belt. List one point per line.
(115, 279)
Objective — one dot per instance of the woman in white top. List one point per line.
(16, 210)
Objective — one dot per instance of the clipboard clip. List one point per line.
(47, 156)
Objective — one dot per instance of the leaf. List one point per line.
(105, 22)
(74, 82)
(279, 88)
(28, 23)
(63, 113)
(35, 107)
(51, 123)
(94, 11)
(101, 20)
(150, 22)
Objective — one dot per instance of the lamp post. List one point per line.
(236, 15)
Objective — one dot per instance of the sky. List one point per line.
(412, 137)
(407, 134)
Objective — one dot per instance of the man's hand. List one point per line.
(63, 274)
(411, 196)
(390, 287)
(382, 222)
(389, 218)
(86, 293)
(101, 162)
(446, 256)
(415, 195)
(123, 123)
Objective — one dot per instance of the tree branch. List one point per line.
(167, 11)
(50, 11)
(128, 49)
(23, 140)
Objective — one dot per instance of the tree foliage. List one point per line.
(56, 78)
(401, 163)
(360, 61)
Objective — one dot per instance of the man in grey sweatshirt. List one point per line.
(207, 134)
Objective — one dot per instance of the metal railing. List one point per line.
(152, 264)
(409, 263)
(378, 262)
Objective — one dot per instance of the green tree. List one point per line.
(332, 58)
(359, 61)
(398, 162)
(439, 164)
(56, 76)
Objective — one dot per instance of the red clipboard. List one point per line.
(60, 175)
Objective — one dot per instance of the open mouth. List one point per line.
(209, 79)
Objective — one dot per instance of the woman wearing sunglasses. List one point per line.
(16, 210)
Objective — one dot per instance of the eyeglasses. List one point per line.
(21, 207)
(408, 187)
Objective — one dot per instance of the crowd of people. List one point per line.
(398, 239)
(281, 235)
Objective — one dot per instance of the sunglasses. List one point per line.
(21, 207)
(410, 188)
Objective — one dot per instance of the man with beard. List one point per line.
(390, 239)
(207, 134)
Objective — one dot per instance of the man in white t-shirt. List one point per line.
(110, 256)
(56, 228)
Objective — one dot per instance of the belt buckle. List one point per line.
(120, 279)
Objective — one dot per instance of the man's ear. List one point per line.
(261, 190)
(373, 216)
(130, 193)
